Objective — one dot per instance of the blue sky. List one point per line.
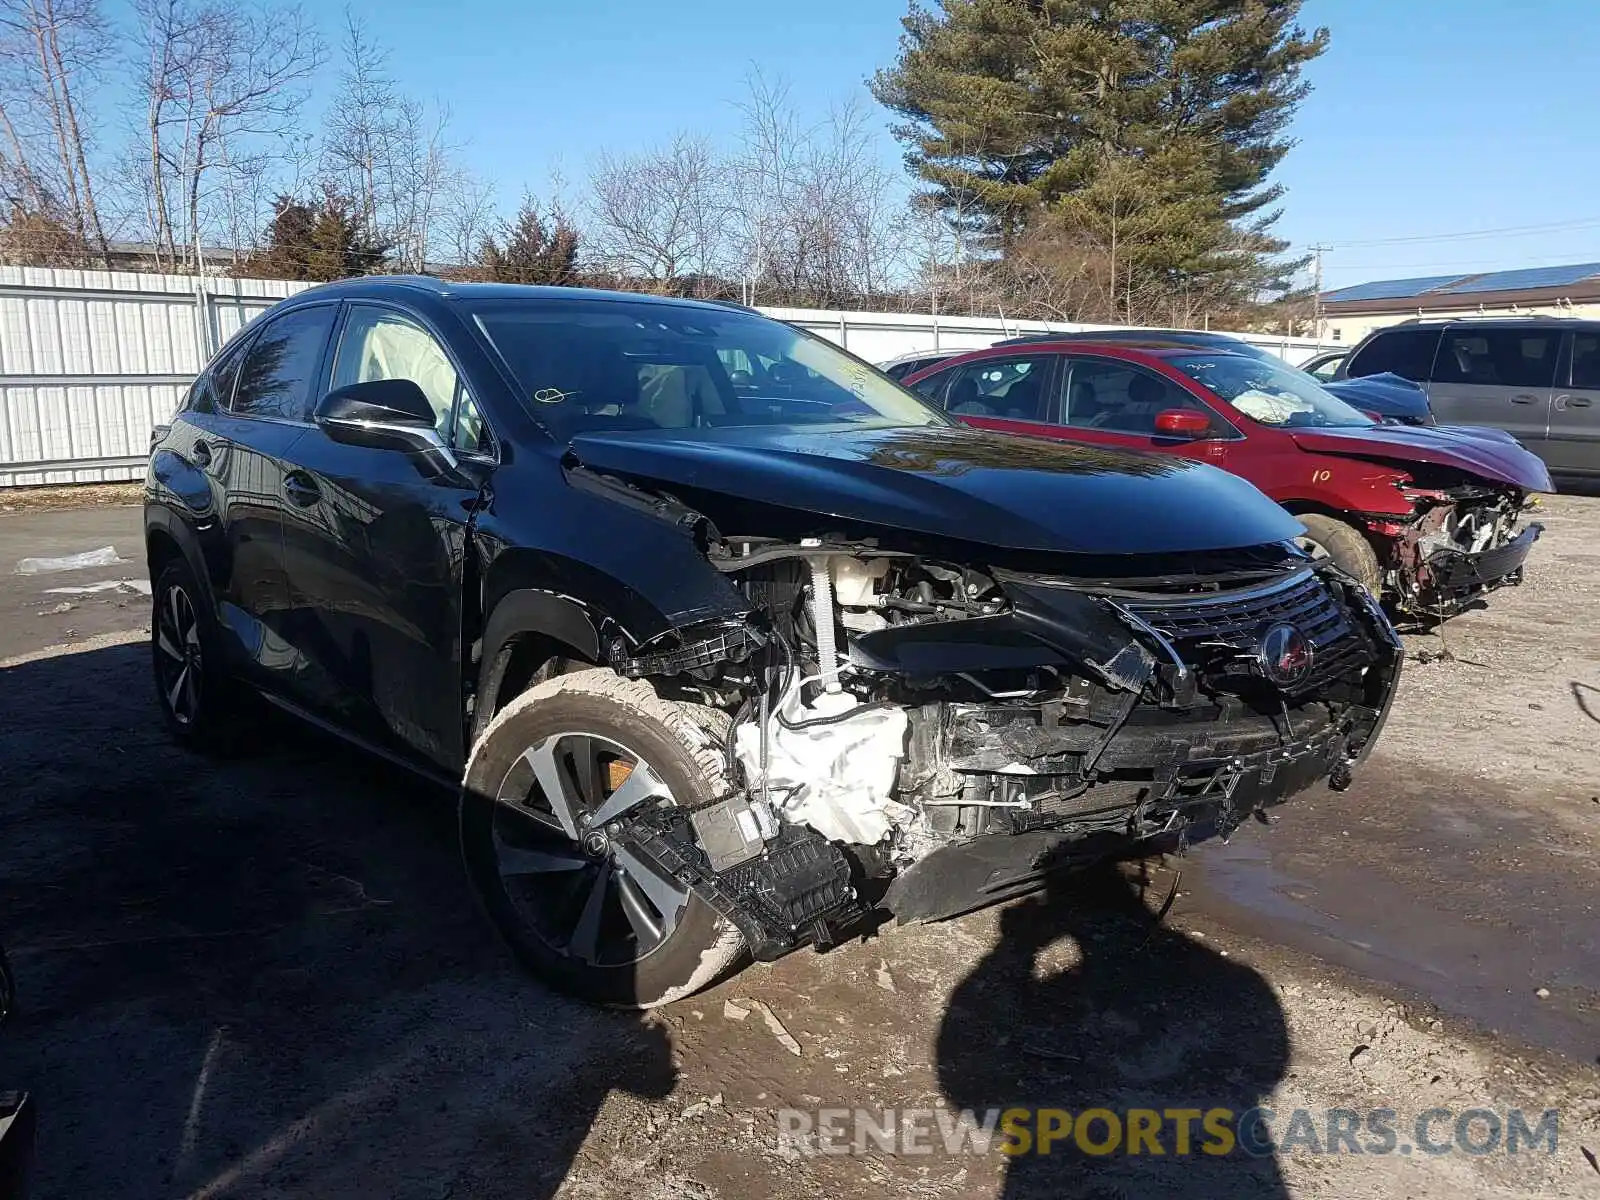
(1429, 117)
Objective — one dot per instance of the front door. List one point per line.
(376, 549)
(1111, 402)
(1500, 376)
(1573, 444)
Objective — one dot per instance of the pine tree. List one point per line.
(534, 248)
(288, 251)
(340, 244)
(319, 241)
(1146, 129)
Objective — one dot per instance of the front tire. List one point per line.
(546, 779)
(1345, 545)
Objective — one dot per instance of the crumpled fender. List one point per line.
(1491, 460)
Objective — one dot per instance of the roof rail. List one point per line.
(1445, 319)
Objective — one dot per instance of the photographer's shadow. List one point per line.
(1146, 1018)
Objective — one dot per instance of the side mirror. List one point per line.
(1182, 423)
(383, 414)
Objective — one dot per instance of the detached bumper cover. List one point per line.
(1457, 577)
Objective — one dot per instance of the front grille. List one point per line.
(1201, 627)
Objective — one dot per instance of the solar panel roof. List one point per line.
(1392, 289)
(1529, 277)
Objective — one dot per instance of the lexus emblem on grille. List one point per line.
(1285, 655)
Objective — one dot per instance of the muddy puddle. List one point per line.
(1431, 886)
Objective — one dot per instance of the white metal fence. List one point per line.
(878, 337)
(90, 361)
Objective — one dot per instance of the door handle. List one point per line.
(201, 451)
(1524, 398)
(301, 490)
(1579, 402)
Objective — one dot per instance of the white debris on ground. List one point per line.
(105, 556)
(131, 586)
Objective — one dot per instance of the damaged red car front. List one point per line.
(1447, 513)
(1429, 518)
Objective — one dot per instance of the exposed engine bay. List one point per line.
(1464, 539)
(927, 736)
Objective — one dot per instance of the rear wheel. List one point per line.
(1329, 537)
(584, 911)
(199, 703)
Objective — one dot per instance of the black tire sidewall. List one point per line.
(1349, 549)
(214, 728)
(664, 971)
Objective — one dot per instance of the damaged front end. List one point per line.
(913, 732)
(1462, 541)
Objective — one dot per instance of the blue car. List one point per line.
(1387, 396)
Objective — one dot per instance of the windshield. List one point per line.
(586, 365)
(1270, 392)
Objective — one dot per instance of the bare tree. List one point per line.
(820, 219)
(360, 122)
(466, 217)
(224, 87)
(50, 50)
(660, 215)
(393, 155)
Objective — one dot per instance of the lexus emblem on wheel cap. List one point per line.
(1285, 655)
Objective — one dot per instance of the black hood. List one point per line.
(993, 489)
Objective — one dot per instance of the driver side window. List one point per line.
(1119, 397)
(381, 344)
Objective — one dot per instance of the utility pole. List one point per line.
(1317, 252)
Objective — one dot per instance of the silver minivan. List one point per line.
(1537, 378)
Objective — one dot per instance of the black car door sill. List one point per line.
(344, 735)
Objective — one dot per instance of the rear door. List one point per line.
(255, 408)
(375, 547)
(1013, 393)
(1573, 441)
(1502, 376)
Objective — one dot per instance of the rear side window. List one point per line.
(1010, 388)
(932, 388)
(1406, 352)
(213, 392)
(1586, 360)
(1498, 357)
(275, 379)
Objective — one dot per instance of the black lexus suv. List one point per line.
(724, 639)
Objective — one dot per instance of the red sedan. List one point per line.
(1431, 518)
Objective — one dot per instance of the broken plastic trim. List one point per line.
(729, 643)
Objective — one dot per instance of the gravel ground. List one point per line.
(265, 977)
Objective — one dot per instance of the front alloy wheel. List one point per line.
(584, 895)
(549, 784)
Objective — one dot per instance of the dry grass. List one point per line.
(72, 495)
